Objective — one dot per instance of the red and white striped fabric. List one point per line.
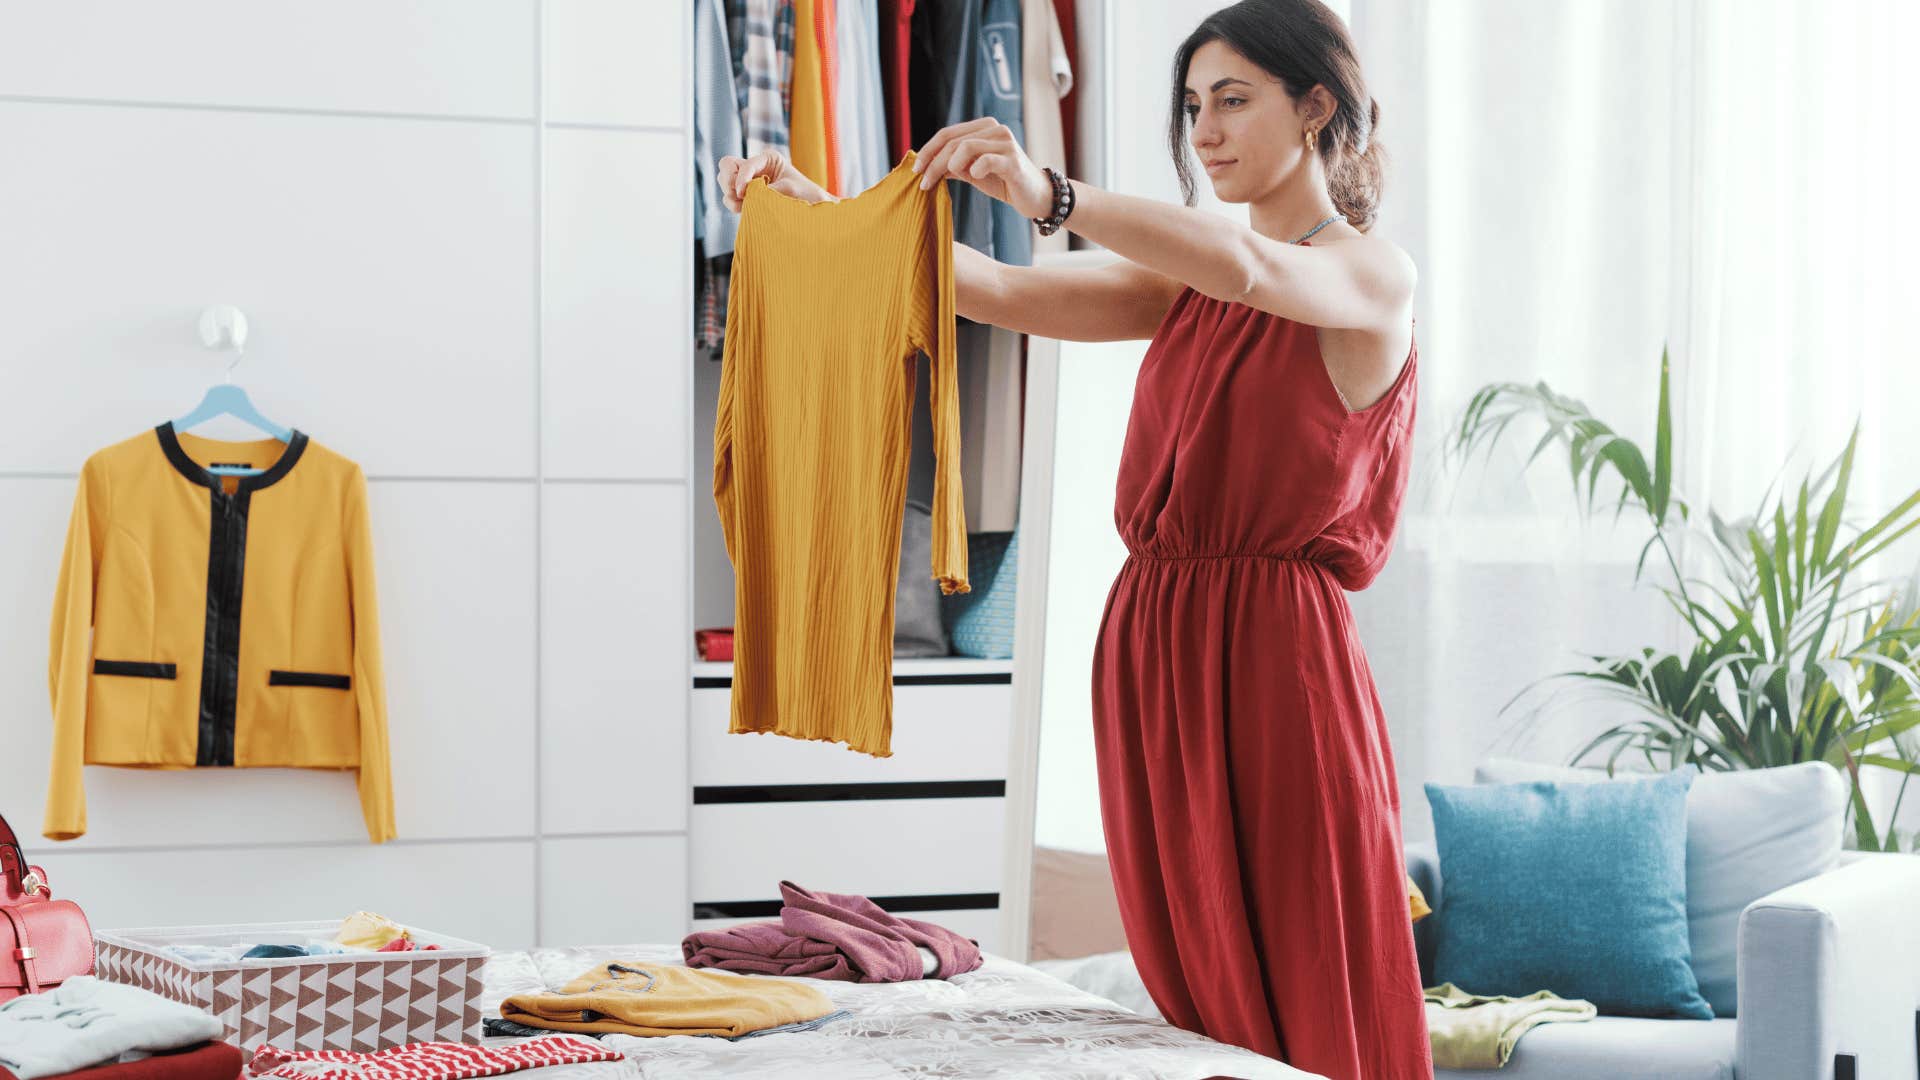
(427, 1061)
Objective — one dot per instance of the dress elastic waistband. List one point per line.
(1225, 556)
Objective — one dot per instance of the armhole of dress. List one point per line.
(1337, 392)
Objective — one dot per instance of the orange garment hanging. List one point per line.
(812, 146)
(828, 306)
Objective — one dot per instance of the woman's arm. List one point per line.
(1356, 284)
(1360, 284)
(1118, 301)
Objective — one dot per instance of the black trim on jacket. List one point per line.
(139, 669)
(309, 678)
(226, 578)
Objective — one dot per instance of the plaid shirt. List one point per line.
(766, 63)
(711, 330)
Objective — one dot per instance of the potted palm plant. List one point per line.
(1793, 652)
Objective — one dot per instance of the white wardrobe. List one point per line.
(462, 235)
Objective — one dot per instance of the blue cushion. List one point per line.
(1576, 888)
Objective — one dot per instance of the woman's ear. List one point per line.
(1316, 107)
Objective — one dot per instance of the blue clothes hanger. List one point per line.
(226, 399)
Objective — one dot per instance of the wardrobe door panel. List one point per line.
(613, 689)
(616, 332)
(617, 62)
(385, 266)
(434, 57)
(613, 890)
(432, 886)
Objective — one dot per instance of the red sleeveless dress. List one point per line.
(1247, 787)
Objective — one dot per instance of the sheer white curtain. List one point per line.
(1580, 183)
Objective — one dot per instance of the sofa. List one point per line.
(1829, 989)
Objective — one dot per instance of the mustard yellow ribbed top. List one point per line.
(828, 306)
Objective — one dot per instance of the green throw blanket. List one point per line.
(1472, 1031)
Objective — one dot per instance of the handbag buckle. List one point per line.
(23, 953)
(33, 882)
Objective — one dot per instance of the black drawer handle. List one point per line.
(309, 678)
(139, 669)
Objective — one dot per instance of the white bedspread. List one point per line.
(1004, 1020)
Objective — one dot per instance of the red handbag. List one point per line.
(43, 941)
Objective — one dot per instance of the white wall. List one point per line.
(460, 232)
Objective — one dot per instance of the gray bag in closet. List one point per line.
(917, 628)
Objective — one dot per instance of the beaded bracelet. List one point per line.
(1062, 204)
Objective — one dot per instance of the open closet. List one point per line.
(924, 831)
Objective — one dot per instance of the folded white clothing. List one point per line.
(208, 954)
(233, 954)
(85, 1022)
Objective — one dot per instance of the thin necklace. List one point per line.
(1317, 228)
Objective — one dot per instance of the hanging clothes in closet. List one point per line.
(810, 119)
(846, 88)
(204, 620)
(970, 53)
(896, 57)
(716, 134)
(764, 71)
(1046, 78)
(861, 108)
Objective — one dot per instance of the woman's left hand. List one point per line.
(984, 153)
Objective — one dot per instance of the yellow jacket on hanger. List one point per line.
(209, 620)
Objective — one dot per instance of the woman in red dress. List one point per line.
(1247, 786)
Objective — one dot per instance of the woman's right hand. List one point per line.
(734, 174)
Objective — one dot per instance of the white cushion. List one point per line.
(1617, 1048)
(1112, 975)
(1749, 832)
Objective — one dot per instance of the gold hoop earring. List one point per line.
(1313, 138)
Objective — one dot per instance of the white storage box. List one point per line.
(357, 1001)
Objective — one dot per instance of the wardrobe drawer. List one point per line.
(940, 732)
(874, 847)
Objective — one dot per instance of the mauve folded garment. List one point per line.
(208, 1061)
(878, 945)
(765, 948)
(823, 935)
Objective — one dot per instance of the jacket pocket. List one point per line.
(138, 669)
(309, 678)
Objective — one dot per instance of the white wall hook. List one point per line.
(223, 326)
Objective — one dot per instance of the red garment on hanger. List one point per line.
(1070, 104)
(896, 51)
(825, 33)
(1247, 786)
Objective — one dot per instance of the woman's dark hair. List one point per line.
(1303, 44)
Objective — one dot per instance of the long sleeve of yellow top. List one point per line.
(828, 307)
(217, 620)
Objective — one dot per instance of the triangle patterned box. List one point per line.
(361, 1001)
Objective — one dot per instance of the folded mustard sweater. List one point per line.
(667, 999)
(207, 620)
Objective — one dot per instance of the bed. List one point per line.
(1004, 1020)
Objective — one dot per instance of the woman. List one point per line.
(1247, 785)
